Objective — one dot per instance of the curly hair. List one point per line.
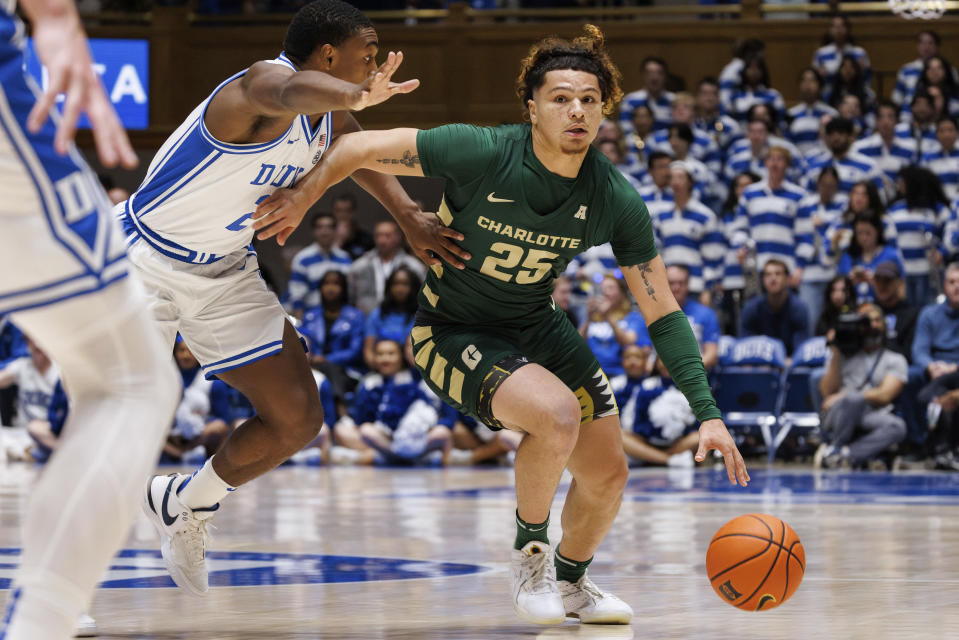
(585, 53)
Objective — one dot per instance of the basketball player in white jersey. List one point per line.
(190, 227)
(63, 280)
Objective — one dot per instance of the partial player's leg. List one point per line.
(599, 470)
(597, 463)
(123, 389)
(550, 418)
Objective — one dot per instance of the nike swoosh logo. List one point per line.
(167, 519)
(493, 198)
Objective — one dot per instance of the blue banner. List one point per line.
(124, 69)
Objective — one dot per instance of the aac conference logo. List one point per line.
(124, 67)
(144, 569)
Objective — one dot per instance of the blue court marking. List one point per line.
(252, 569)
(785, 486)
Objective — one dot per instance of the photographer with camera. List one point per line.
(862, 381)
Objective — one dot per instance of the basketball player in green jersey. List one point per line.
(489, 339)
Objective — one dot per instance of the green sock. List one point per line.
(569, 570)
(526, 532)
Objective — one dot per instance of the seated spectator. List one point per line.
(615, 151)
(702, 319)
(310, 263)
(335, 331)
(935, 347)
(755, 88)
(867, 249)
(201, 422)
(734, 280)
(35, 376)
(839, 298)
(653, 95)
(849, 81)
(824, 210)
(919, 218)
(638, 139)
(939, 79)
(46, 433)
(732, 72)
(721, 128)
(749, 154)
(349, 236)
(883, 147)
(838, 43)
(657, 193)
(708, 187)
(369, 272)
(859, 388)
(850, 108)
(917, 131)
(701, 146)
(610, 324)
(851, 166)
(803, 120)
(658, 426)
(945, 162)
(474, 443)
(382, 400)
(778, 312)
(393, 318)
(689, 233)
(900, 315)
(927, 45)
(563, 297)
(12, 346)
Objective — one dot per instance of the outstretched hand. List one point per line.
(379, 87)
(713, 435)
(62, 47)
(432, 241)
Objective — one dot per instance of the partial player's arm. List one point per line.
(366, 156)
(269, 90)
(392, 151)
(676, 345)
(61, 45)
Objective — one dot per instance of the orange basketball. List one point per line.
(755, 562)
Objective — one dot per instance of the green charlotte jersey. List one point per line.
(522, 223)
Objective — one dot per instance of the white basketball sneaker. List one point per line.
(584, 600)
(536, 598)
(182, 530)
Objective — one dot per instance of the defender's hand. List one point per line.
(280, 214)
(431, 240)
(62, 47)
(713, 435)
(379, 88)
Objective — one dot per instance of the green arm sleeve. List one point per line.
(676, 345)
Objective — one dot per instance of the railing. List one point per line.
(462, 13)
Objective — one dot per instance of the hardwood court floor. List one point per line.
(421, 555)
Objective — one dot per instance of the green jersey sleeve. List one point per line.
(632, 231)
(461, 153)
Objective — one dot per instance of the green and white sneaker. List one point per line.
(584, 600)
(536, 597)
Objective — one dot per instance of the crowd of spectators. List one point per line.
(783, 221)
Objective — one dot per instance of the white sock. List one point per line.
(205, 488)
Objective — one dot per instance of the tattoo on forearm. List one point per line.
(644, 268)
(408, 160)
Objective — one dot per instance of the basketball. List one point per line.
(755, 562)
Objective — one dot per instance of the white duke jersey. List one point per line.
(199, 196)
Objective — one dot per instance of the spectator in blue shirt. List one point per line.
(610, 324)
(393, 318)
(335, 331)
(310, 263)
(935, 350)
(867, 249)
(778, 313)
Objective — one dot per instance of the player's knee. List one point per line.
(608, 477)
(563, 418)
(297, 418)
